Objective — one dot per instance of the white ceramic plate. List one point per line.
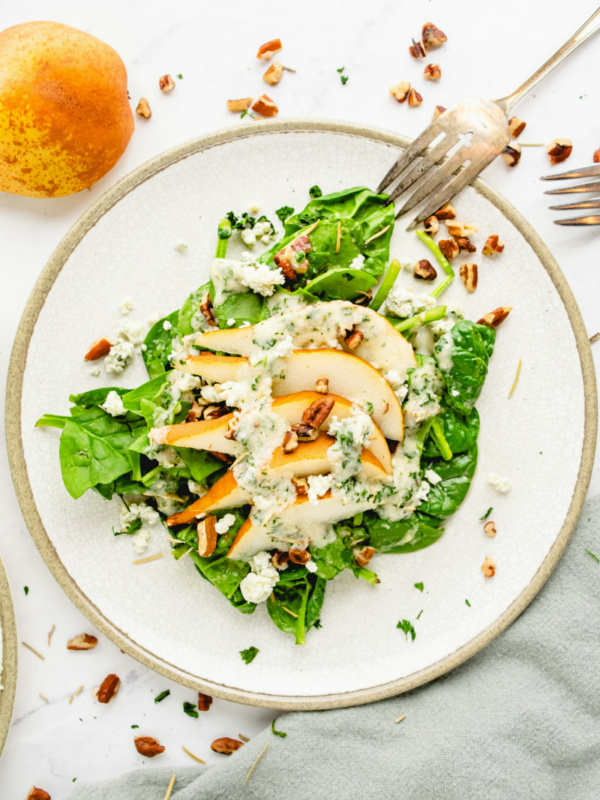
(8, 656)
(542, 439)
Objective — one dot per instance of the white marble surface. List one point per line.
(214, 48)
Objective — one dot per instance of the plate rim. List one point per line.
(9, 661)
(32, 517)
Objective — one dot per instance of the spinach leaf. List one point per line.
(315, 603)
(445, 497)
(189, 310)
(284, 212)
(95, 397)
(332, 559)
(402, 536)
(463, 355)
(199, 463)
(159, 344)
(341, 284)
(240, 307)
(460, 431)
(224, 573)
(151, 390)
(287, 607)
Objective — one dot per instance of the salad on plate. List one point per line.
(304, 412)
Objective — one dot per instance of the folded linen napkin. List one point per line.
(519, 720)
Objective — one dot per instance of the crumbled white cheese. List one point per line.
(95, 372)
(248, 237)
(406, 303)
(311, 566)
(126, 306)
(443, 352)
(357, 262)
(167, 325)
(149, 518)
(223, 525)
(231, 322)
(258, 584)
(113, 405)
(318, 485)
(193, 487)
(127, 343)
(230, 276)
(432, 477)
(499, 483)
(254, 208)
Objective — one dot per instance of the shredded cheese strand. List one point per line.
(514, 386)
(253, 767)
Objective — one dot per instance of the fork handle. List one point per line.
(587, 29)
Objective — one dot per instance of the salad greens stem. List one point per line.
(224, 234)
(386, 284)
(431, 315)
(368, 575)
(149, 477)
(442, 261)
(438, 435)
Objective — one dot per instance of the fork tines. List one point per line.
(581, 188)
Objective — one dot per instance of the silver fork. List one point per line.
(591, 186)
(452, 162)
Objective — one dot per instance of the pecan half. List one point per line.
(298, 556)
(273, 75)
(597, 156)
(317, 412)
(38, 794)
(226, 746)
(290, 442)
(492, 245)
(449, 248)
(559, 150)
(305, 433)
(493, 318)
(166, 83)
(488, 568)
(490, 529)
(207, 310)
(214, 412)
(83, 641)
(353, 339)
(323, 385)
(400, 91)
(362, 555)
(292, 259)
(468, 273)
(432, 36)
(280, 560)
(243, 104)
(432, 72)
(512, 154)
(424, 270)
(417, 50)
(301, 486)
(207, 536)
(99, 349)
(264, 106)
(108, 689)
(447, 211)
(464, 243)
(438, 111)
(204, 701)
(143, 109)
(516, 126)
(457, 228)
(195, 412)
(269, 48)
(414, 98)
(148, 746)
(431, 225)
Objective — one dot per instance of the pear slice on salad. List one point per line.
(349, 376)
(321, 325)
(309, 458)
(251, 538)
(212, 434)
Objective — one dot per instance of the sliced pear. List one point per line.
(213, 368)
(211, 434)
(318, 325)
(309, 458)
(251, 539)
(349, 376)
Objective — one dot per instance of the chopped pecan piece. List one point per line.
(292, 259)
(38, 794)
(559, 150)
(468, 273)
(148, 746)
(290, 442)
(269, 48)
(264, 106)
(166, 83)
(223, 457)
(323, 385)
(273, 75)
(414, 98)
(298, 556)
(493, 318)
(99, 349)
(83, 641)
(305, 433)
(280, 560)
(214, 412)
(447, 211)
(492, 245)
(511, 154)
(449, 248)
(195, 412)
(353, 339)
(438, 111)
(204, 701)
(400, 91)
(108, 688)
(417, 50)
(464, 243)
(432, 36)
(301, 486)
(516, 126)
(143, 109)
(317, 412)
(490, 529)
(424, 270)
(432, 72)
(243, 104)
(597, 156)
(226, 746)
(208, 311)
(363, 555)
(457, 228)
(207, 536)
(431, 225)
(488, 568)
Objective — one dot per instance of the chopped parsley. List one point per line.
(277, 733)
(249, 654)
(180, 76)
(160, 697)
(586, 550)
(419, 614)
(317, 624)
(341, 69)
(344, 79)
(315, 191)
(407, 627)
(26, 590)
(133, 527)
(191, 710)
(284, 212)
(134, 726)
(467, 602)
(487, 513)
(420, 586)
(247, 113)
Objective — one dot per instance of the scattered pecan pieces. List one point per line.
(432, 36)
(268, 49)
(148, 746)
(301, 486)
(195, 413)
(298, 556)
(490, 529)
(323, 385)
(226, 746)
(214, 412)
(143, 109)
(363, 555)
(99, 349)
(417, 50)
(457, 228)
(38, 794)
(204, 701)
(492, 245)
(400, 91)
(559, 150)
(317, 412)
(243, 104)
(468, 273)
(512, 154)
(493, 318)
(414, 98)
(207, 536)
(431, 225)
(438, 111)
(166, 83)
(208, 311)
(280, 560)
(516, 126)
(449, 248)
(264, 106)
(447, 211)
(273, 75)
(464, 243)
(353, 339)
(488, 568)
(305, 433)
(290, 442)
(597, 156)
(83, 641)
(108, 689)
(424, 270)
(432, 72)
(291, 259)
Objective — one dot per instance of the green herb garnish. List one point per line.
(284, 212)
(487, 513)
(180, 76)
(160, 697)
(592, 555)
(26, 590)
(407, 627)
(420, 586)
(277, 733)
(344, 79)
(467, 602)
(249, 654)
(191, 710)
(315, 191)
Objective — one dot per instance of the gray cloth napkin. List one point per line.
(519, 720)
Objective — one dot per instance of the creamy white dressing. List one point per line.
(230, 276)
